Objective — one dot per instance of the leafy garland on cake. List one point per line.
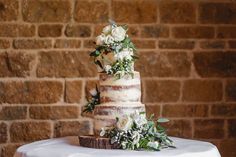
(115, 54)
(93, 101)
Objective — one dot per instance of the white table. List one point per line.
(68, 147)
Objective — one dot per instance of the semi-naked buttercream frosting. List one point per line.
(118, 97)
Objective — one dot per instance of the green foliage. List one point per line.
(95, 100)
(149, 136)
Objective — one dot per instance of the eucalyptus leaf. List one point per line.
(162, 120)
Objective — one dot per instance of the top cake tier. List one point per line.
(125, 89)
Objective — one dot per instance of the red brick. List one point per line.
(71, 128)
(164, 64)
(9, 10)
(29, 131)
(30, 92)
(46, 11)
(98, 29)
(13, 30)
(227, 148)
(177, 12)
(153, 109)
(232, 44)
(65, 64)
(226, 32)
(32, 44)
(215, 64)
(50, 30)
(3, 132)
(177, 110)
(209, 129)
(145, 44)
(232, 128)
(202, 90)
(212, 44)
(136, 11)
(54, 112)
(133, 31)
(230, 90)
(13, 112)
(9, 150)
(154, 31)
(161, 91)
(217, 13)
(198, 32)
(176, 44)
(15, 64)
(73, 91)
(4, 44)
(91, 11)
(223, 110)
(179, 128)
(78, 31)
(67, 43)
(89, 43)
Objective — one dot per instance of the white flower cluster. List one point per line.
(111, 34)
(117, 49)
(136, 132)
(126, 122)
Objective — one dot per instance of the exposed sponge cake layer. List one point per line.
(105, 114)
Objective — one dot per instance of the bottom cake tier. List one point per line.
(105, 114)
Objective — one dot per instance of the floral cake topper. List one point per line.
(114, 53)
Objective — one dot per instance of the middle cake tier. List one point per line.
(126, 89)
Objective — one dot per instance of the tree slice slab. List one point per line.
(96, 142)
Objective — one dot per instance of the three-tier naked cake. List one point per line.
(119, 116)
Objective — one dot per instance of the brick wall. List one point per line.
(187, 61)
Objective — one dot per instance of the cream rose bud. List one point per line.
(139, 119)
(93, 92)
(124, 123)
(154, 145)
(107, 30)
(107, 68)
(125, 53)
(100, 39)
(118, 33)
(109, 39)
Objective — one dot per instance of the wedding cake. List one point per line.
(119, 116)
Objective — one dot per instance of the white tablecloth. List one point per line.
(68, 147)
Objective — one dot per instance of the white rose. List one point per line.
(109, 39)
(153, 144)
(118, 33)
(93, 92)
(125, 53)
(124, 123)
(100, 39)
(107, 68)
(139, 119)
(107, 30)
